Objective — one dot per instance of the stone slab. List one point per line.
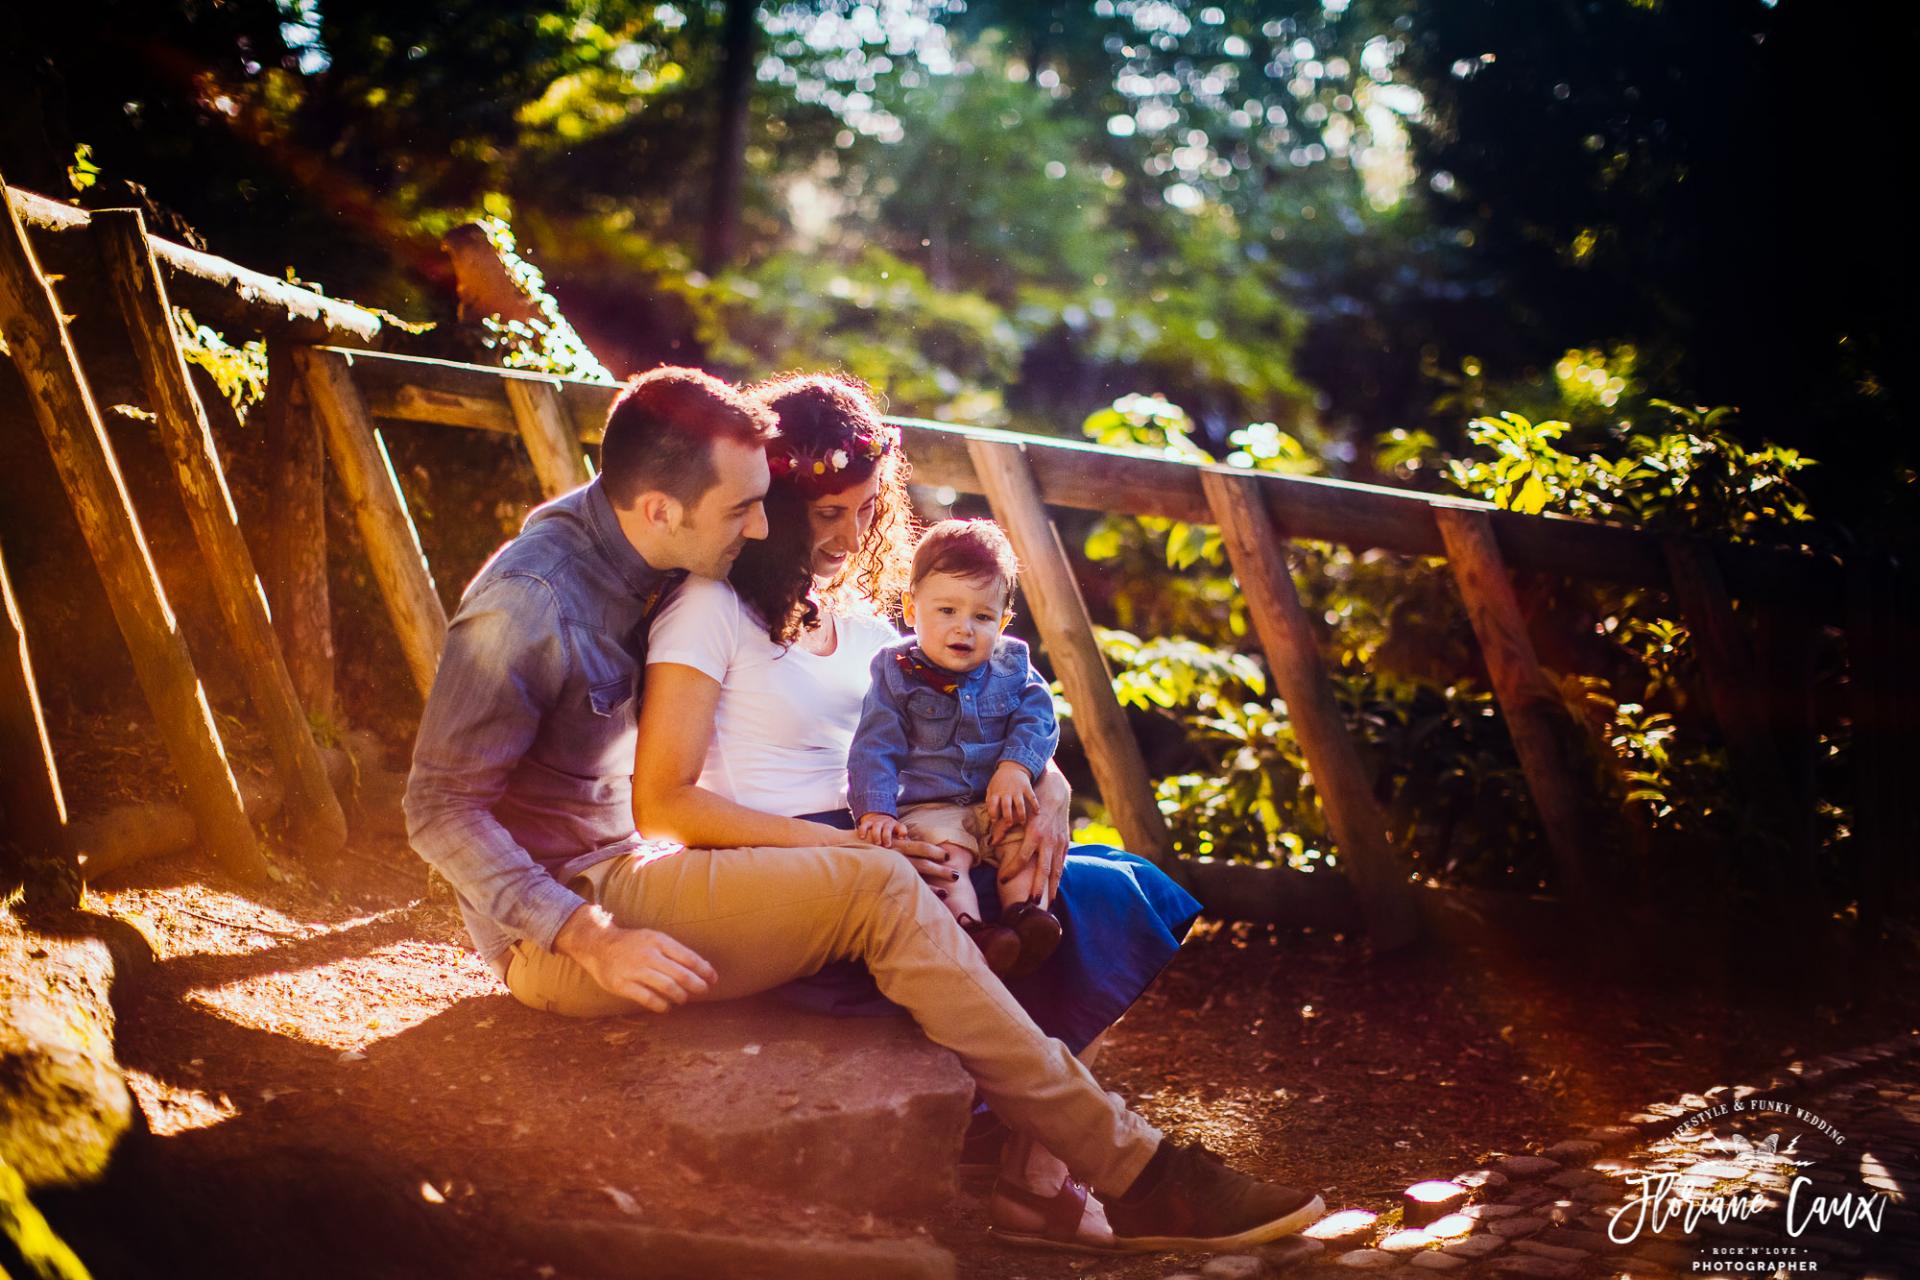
(860, 1112)
(620, 1252)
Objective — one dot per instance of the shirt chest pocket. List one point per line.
(606, 670)
(931, 719)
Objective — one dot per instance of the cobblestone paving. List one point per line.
(1814, 1171)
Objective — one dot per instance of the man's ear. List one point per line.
(906, 607)
(659, 510)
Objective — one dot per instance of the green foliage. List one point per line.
(240, 372)
(547, 344)
(929, 351)
(1691, 475)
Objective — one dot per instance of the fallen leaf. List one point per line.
(622, 1201)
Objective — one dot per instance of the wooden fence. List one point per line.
(329, 400)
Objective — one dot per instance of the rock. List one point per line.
(1451, 1227)
(1514, 1228)
(1425, 1202)
(1567, 1179)
(1481, 1180)
(1235, 1266)
(1522, 1168)
(1559, 1252)
(1489, 1212)
(1438, 1262)
(1474, 1247)
(860, 1112)
(1343, 1230)
(1367, 1260)
(1572, 1150)
(1289, 1252)
(63, 1100)
(1525, 1265)
(1612, 1135)
(1528, 1197)
(590, 1248)
(1405, 1242)
(1591, 1241)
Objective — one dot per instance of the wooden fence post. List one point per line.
(317, 820)
(77, 440)
(1730, 669)
(548, 433)
(36, 812)
(1259, 561)
(296, 543)
(1543, 733)
(1061, 615)
(379, 508)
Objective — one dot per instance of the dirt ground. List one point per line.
(288, 1040)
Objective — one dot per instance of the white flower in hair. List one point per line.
(839, 459)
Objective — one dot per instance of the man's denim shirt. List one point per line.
(523, 769)
(916, 744)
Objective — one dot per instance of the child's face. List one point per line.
(957, 619)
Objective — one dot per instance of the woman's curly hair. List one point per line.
(830, 435)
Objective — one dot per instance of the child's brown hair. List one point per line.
(974, 549)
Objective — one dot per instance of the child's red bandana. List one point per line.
(917, 667)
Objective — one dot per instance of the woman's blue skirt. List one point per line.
(1122, 920)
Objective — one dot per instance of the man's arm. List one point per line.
(501, 672)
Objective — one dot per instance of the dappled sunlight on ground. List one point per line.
(357, 1000)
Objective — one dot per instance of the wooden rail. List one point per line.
(220, 292)
(1090, 477)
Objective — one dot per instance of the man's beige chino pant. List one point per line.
(764, 916)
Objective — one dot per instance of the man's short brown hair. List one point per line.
(972, 549)
(660, 433)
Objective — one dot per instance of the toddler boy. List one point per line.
(956, 728)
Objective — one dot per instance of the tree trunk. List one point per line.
(722, 238)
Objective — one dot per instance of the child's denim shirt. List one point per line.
(917, 743)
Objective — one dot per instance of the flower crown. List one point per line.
(821, 472)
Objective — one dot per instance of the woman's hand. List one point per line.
(1047, 836)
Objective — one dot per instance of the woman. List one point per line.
(754, 688)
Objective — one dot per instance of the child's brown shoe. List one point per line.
(999, 945)
(1039, 932)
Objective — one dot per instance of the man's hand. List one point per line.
(1010, 794)
(644, 965)
(881, 829)
(1046, 838)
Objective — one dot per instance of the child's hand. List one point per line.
(1010, 794)
(881, 829)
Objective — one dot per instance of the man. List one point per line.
(521, 796)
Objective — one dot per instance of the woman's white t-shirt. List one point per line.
(786, 717)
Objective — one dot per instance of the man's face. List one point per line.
(710, 533)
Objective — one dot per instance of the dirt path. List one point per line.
(295, 1032)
